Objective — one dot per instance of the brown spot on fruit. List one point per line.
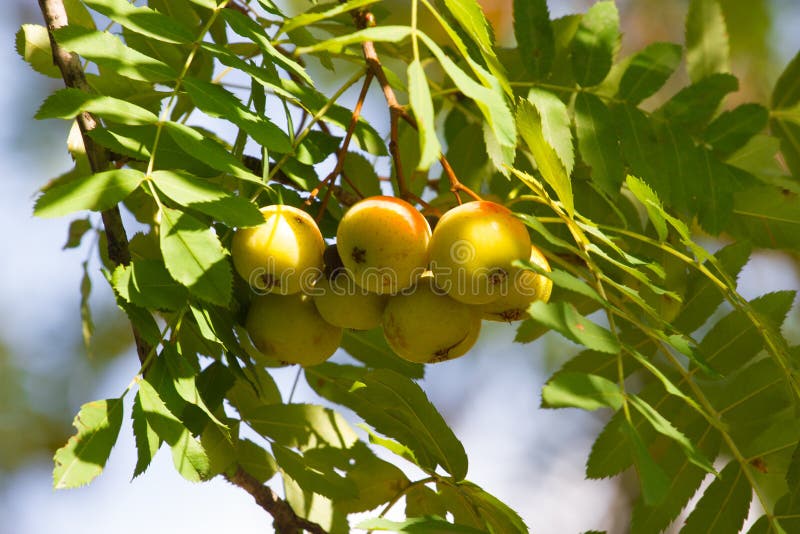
(269, 281)
(359, 255)
(497, 276)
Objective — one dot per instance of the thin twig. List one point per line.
(286, 521)
(455, 185)
(55, 16)
(342, 152)
(363, 19)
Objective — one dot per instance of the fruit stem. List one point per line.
(455, 184)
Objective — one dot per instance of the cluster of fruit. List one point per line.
(428, 289)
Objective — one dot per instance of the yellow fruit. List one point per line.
(472, 250)
(288, 328)
(383, 243)
(525, 287)
(342, 303)
(282, 255)
(426, 326)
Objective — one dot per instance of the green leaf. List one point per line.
(663, 426)
(313, 476)
(641, 148)
(108, 51)
(96, 192)
(195, 257)
(595, 43)
(77, 229)
(184, 379)
(491, 102)
(396, 407)
(188, 456)
(534, 34)
(707, 50)
(315, 15)
(419, 96)
(370, 348)
(497, 516)
(732, 129)
(427, 525)
(768, 216)
(84, 456)
(734, 340)
(565, 319)
(469, 15)
(652, 478)
(33, 45)
(254, 388)
(787, 89)
(361, 172)
(566, 281)
(652, 204)
(250, 29)
(648, 71)
(302, 426)
(377, 481)
(724, 505)
(67, 103)
(693, 106)
(147, 283)
(556, 125)
(217, 102)
(685, 479)
(255, 460)
(581, 390)
(598, 142)
(550, 166)
(147, 441)
(702, 295)
(314, 101)
(387, 34)
(207, 197)
(208, 151)
(143, 20)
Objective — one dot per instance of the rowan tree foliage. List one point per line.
(701, 382)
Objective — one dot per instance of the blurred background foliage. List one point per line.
(46, 371)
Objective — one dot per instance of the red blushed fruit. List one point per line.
(383, 243)
(473, 248)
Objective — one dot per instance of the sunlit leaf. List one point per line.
(195, 257)
(107, 50)
(564, 318)
(95, 192)
(33, 45)
(579, 390)
(84, 456)
(420, 98)
(143, 20)
(531, 128)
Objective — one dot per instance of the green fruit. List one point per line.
(427, 326)
(288, 328)
(342, 303)
(472, 250)
(525, 287)
(282, 255)
(383, 243)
